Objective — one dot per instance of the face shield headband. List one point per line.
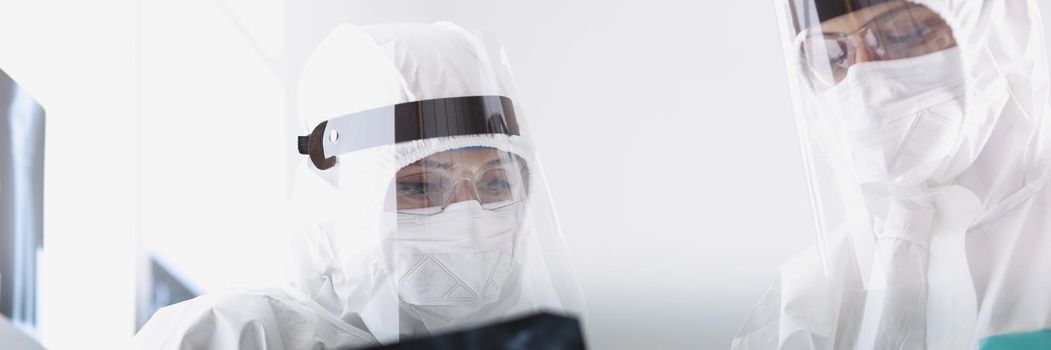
(410, 121)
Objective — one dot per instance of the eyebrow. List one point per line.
(428, 163)
(493, 162)
(891, 9)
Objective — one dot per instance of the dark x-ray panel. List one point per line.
(540, 331)
(21, 201)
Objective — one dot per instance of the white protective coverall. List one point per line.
(929, 175)
(370, 267)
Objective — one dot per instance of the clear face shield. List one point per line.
(878, 90)
(429, 214)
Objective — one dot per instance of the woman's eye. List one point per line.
(916, 34)
(835, 53)
(413, 188)
(911, 30)
(837, 60)
(497, 186)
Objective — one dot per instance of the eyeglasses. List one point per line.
(903, 32)
(493, 178)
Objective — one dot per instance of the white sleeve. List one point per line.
(212, 322)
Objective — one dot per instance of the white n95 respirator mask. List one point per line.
(899, 120)
(459, 257)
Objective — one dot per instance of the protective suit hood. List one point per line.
(350, 231)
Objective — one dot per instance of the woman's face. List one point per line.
(492, 177)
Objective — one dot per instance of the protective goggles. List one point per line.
(886, 31)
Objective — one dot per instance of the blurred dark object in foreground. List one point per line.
(540, 331)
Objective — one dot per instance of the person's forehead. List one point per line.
(852, 22)
(461, 157)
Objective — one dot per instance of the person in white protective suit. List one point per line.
(423, 206)
(924, 125)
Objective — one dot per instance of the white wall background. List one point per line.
(76, 59)
(664, 126)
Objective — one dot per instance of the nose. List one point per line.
(464, 191)
(863, 53)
